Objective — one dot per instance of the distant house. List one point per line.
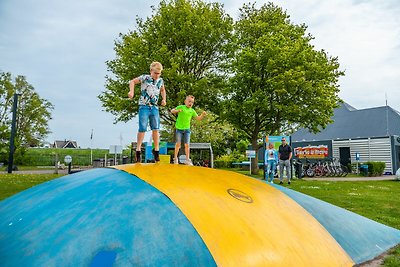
(373, 134)
(65, 144)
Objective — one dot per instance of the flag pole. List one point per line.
(91, 150)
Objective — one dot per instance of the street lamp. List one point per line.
(68, 160)
(13, 130)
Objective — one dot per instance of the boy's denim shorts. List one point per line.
(148, 114)
(179, 134)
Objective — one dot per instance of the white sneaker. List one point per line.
(272, 182)
(189, 162)
(176, 161)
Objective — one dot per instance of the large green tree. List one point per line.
(33, 114)
(190, 38)
(279, 81)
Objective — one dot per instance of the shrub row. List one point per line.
(49, 156)
(222, 163)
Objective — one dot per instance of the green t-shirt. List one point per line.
(184, 117)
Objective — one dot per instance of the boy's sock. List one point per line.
(156, 155)
(138, 158)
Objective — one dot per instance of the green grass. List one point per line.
(393, 260)
(11, 184)
(377, 200)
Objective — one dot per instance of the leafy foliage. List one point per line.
(375, 168)
(33, 114)
(191, 40)
(279, 82)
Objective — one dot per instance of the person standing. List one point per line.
(271, 160)
(185, 114)
(151, 86)
(284, 155)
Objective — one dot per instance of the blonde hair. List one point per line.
(156, 66)
(271, 144)
(190, 96)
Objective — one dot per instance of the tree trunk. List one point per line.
(254, 161)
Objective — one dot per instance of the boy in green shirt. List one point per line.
(182, 125)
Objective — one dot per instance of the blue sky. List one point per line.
(61, 47)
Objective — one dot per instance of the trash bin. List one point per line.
(98, 163)
(125, 160)
(364, 170)
(298, 165)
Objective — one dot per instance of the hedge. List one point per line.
(47, 156)
(375, 168)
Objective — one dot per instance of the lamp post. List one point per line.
(68, 160)
(12, 137)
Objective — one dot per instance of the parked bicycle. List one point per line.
(320, 168)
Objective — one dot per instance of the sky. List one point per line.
(61, 48)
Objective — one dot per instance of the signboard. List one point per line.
(276, 140)
(312, 152)
(250, 153)
(357, 156)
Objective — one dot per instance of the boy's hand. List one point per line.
(130, 94)
(163, 103)
(203, 113)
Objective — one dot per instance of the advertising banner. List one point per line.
(312, 152)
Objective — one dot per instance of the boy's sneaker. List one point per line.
(138, 158)
(176, 161)
(189, 162)
(156, 155)
(272, 182)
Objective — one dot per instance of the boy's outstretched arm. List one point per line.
(203, 114)
(175, 111)
(132, 83)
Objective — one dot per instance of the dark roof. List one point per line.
(65, 144)
(351, 123)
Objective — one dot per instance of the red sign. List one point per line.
(311, 152)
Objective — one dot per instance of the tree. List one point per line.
(190, 38)
(279, 82)
(33, 114)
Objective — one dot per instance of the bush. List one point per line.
(375, 168)
(222, 164)
(225, 161)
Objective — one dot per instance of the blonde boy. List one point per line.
(151, 87)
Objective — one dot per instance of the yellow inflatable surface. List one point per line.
(243, 221)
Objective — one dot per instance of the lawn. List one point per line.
(377, 200)
(11, 184)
